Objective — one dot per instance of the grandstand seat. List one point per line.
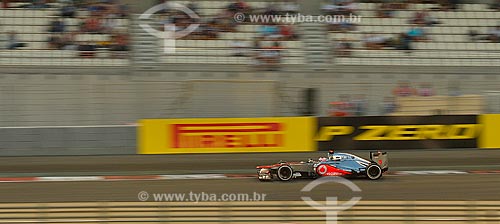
(448, 43)
(451, 105)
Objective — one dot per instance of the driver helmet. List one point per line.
(330, 153)
(322, 159)
(335, 158)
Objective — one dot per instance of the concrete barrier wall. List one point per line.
(119, 96)
(109, 97)
(91, 140)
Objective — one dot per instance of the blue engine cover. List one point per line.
(347, 162)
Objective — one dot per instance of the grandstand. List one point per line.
(144, 82)
(33, 25)
(449, 42)
(436, 105)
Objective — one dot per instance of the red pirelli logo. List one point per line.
(228, 135)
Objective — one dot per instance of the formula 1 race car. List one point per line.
(336, 164)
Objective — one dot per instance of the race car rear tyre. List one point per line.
(285, 173)
(373, 172)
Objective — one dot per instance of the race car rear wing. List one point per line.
(381, 159)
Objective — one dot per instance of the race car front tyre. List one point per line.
(285, 173)
(373, 172)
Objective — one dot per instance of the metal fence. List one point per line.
(456, 212)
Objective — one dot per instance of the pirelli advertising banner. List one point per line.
(490, 136)
(226, 135)
(397, 132)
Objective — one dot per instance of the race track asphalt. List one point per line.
(411, 187)
(469, 159)
(434, 188)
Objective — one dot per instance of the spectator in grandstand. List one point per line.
(68, 41)
(495, 5)
(289, 7)
(403, 42)
(423, 18)
(68, 10)
(54, 42)
(37, 4)
(87, 49)
(119, 44)
(418, 17)
(239, 48)
(113, 9)
(494, 34)
(358, 105)
(350, 7)
(341, 26)
(109, 22)
(3, 40)
(454, 88)
(272, 56)
(225, 21)
(212, 30)
(92, 25)
(398, 5)
(340, 108)
(287, 32)
(173, 22)
(473, 35)
(79, 4)
(343, 48)
(417, 33)
(257, 52)
(57, 26)
(97, 8)
(270, 9)
(404, 89)
(389, 105)
(124, 11)
(239, 6)
(345, 8)
(268, 57)
(329, 8)
(194, 7)
(64, 41)
(335, 110)
(425, 89)
(206, 31)
(270, 31)
(373, 41)
(5, 4)
(385, 10)
(447, 5)
(13, 42)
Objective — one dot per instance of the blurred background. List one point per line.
(76, 76)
